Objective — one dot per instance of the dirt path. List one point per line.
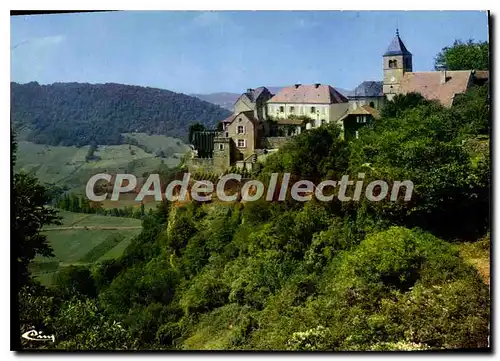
(104, 228)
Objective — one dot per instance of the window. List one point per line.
(241, 143)
(372, 104)
(361, 119)
(239, 119)
(282, 109)
(221, 146)
(356, 133)
(393, 64)
(241, 129)
(292, 109)
(227, 134)
(313, 110)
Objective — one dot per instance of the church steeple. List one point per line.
(397, 47)
(397, 61)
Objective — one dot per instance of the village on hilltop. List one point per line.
(263, 121)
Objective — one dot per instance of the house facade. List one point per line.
(365, 103)
(254, 100)
(245, 132)
(322, 104)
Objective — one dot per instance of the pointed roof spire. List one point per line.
(397, 47)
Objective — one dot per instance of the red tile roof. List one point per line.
(308, 94)
(430, 85)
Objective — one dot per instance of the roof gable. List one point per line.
(246, 99)
(248, 114)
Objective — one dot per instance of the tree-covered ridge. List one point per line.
(82, 114)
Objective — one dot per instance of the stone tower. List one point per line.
(397, 61)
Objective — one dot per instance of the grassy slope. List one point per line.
(156, 143)
(66, 165)
(84, 246)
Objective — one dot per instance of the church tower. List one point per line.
(397, 61)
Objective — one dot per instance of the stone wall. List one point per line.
(202, 165)
(222, 154)
(218, 163)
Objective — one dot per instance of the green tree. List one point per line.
(30, 214)
(81, 325)
(90, 153)
(427, 144)
(464, 56)
(402, 102)
(311, 155)
(76, 279)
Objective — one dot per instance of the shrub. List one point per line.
(206, 292)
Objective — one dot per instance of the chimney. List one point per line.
(249, 90)
(297, 85)
(316, 85)
(443, 76)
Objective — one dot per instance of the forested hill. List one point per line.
(82, 113)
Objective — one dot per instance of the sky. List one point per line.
(228, 51)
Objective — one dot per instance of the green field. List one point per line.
(81, 239)
(156, 143)
(67, 165)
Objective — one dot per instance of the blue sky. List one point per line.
(203, 52)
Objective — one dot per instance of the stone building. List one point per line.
(397, 61)
(321, 104)
(368, 98)
(365, 102)
(245, 132)
(241, 139)
(442, 85)
(254, 100)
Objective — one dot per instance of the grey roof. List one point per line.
(368, 89)
(255, 93)
(397, 47)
